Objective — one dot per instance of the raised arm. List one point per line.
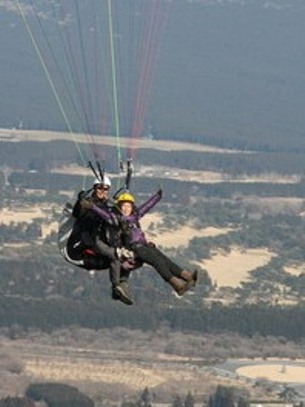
(79, 209)
(150, 203)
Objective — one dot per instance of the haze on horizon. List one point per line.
(223, 69)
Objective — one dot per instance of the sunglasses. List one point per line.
(101, 187)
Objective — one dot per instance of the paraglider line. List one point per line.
(46, 71)
(114, 82)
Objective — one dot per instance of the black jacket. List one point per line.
(88, 226)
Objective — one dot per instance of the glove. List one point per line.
(81, 194)
(86, 205)
(160, 192)
(151, 244)
(123, 254)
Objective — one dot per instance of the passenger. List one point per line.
(132, 237)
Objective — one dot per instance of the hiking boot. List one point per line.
(122, 292)
(180, 286)
(189, 276)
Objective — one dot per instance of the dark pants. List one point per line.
(100, 259)
(104, 258)
(95, 263)
(155, 258)
(78, 256)
(114, 263)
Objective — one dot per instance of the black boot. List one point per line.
(122, 293)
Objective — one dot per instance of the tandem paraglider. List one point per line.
(101, 233)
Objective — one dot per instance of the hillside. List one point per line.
(243, 231)
(112, 365)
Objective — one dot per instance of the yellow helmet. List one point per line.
(126, 197)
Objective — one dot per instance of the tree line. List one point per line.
(247, 320)
(63, 395)
(44, 156)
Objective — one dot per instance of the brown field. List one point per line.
(296, 270)
(206, 177)
(21, 214)
(283, 373)
(152, 223)
(113, 372)
(230, 269)
(117, 374)
(27, 215)
(46, 136)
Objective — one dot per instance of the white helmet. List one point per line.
(106, 181)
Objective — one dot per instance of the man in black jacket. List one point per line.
(93, 243)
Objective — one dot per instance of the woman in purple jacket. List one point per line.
(132, 237)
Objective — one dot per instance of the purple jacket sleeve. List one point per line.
(107, 216)
(149, 204)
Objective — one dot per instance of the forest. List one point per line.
(35, 281)
(61, 395)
